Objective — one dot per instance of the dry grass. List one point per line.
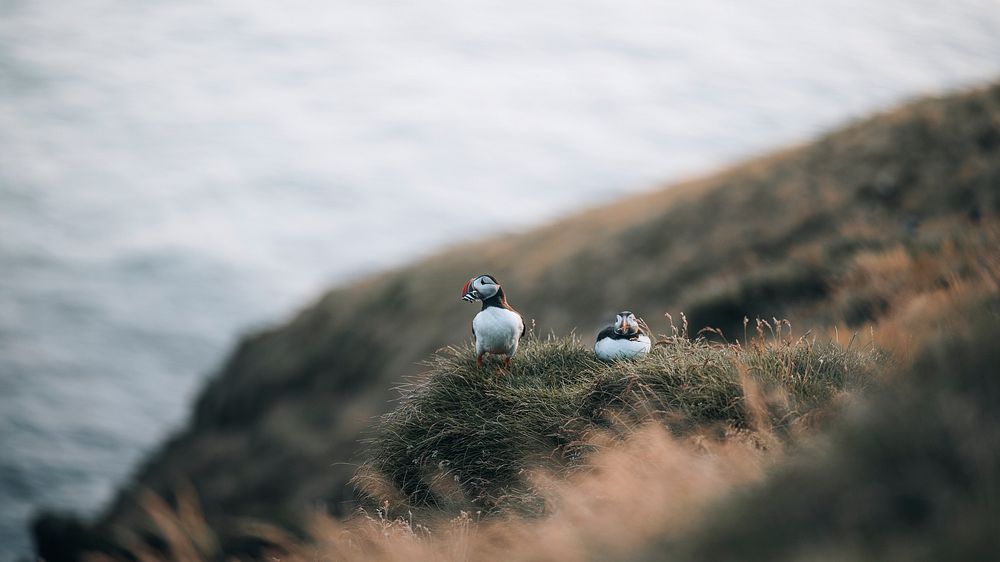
(650, 485)
(462, 438)
(647, 486)
(913, 473)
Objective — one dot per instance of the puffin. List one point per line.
(498, 327)
(624, 339)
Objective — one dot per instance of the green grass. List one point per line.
(463, 438)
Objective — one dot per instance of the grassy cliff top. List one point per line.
(463, 438)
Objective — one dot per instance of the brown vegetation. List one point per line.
(912, 473)
(888, 221)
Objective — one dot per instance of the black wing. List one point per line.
(607, 332)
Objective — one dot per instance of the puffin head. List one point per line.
(626, 324)
(480, 288)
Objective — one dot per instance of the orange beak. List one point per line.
(623, 327)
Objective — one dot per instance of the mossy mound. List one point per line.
(464, 437)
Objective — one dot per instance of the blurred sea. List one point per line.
(173, 174)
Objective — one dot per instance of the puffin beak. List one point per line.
(623, 327)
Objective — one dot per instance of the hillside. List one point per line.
(865, 225)
(904, 468)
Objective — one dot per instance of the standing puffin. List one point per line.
(624, 339)
(498, 327)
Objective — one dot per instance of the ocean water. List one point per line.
(174, 174)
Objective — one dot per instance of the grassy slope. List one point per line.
(463, 438)
(823, 233)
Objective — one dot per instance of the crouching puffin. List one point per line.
(498, 327)
(624, 339)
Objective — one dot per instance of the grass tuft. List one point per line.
(466, 439)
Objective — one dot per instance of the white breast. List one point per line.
(609, 349)
(497, 330)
